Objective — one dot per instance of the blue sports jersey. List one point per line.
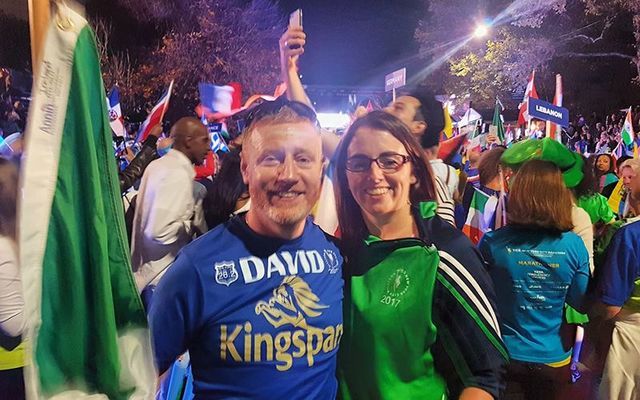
(260, 316)
(535, 273)
(619, 278)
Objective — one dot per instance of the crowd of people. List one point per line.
(597, 135)
(513, 274)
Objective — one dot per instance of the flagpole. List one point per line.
(39, 14)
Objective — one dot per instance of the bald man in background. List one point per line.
(163, 221)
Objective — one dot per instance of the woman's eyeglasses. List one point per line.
(388, 162)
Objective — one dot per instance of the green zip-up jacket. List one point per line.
(420, 318)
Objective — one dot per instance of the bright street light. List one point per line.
(481, 31)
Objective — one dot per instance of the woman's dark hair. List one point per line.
(587, 185)
(489, 165)
(539, 199)
(227, 188)
(352, 225)
(612, 165)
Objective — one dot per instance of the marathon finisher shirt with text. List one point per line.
(261, 317)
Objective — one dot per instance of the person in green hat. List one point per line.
(571, 165)
(537, 265)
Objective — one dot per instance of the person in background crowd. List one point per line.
(630, 170)
(424, 117)
(589, 199)
(139, 163)
(605, 172)
(538, 129)
(165, 212)
(12, 355)
(570, 163)
(492, 181)
(473, 154)
(537, 265)
(399, 285)
(257, 301)
(228, 195)
(618, 296)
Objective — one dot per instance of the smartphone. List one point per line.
(295, 18)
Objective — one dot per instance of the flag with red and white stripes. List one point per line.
(155, 116)
(523, 116)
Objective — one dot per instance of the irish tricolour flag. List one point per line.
(86, 327)
(483, 212)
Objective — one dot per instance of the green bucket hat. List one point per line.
(547, 149)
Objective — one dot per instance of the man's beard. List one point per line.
(288, 216)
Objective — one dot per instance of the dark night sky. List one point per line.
(356, 42)
(350, 42)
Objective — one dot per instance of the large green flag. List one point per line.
(497, 127)
(86, 327)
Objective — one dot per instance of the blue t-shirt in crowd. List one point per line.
(260, 316)
(535, 272)
(618, 279)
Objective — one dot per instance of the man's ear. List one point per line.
(244, 167)
(418, 128)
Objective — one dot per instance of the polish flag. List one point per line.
(523, 117)
(155, 116)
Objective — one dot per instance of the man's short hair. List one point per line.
(432, 113)
(278, 112)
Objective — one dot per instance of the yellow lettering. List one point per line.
(299, 343)
(282, 343)
(247, 342)
(311, 349)
(328, 342)
(339, 332)
(226, 343)
(258, 339)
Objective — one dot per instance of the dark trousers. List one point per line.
(12, 384)
(532, 381)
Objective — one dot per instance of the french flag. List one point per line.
(155, 116)
(115, 112)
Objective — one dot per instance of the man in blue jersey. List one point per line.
(257, 301)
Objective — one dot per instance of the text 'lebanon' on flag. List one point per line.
(85, 324)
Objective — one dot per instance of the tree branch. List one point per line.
(599, 55)
(608, 22)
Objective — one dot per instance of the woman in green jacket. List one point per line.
(419, 318)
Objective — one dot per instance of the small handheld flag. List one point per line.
(155, 116)
(523, 116)
(115, 112)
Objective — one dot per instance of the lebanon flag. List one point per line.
(85, 328)
(481, 217)
(115, 112)
(523, 116)
(155, 116)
